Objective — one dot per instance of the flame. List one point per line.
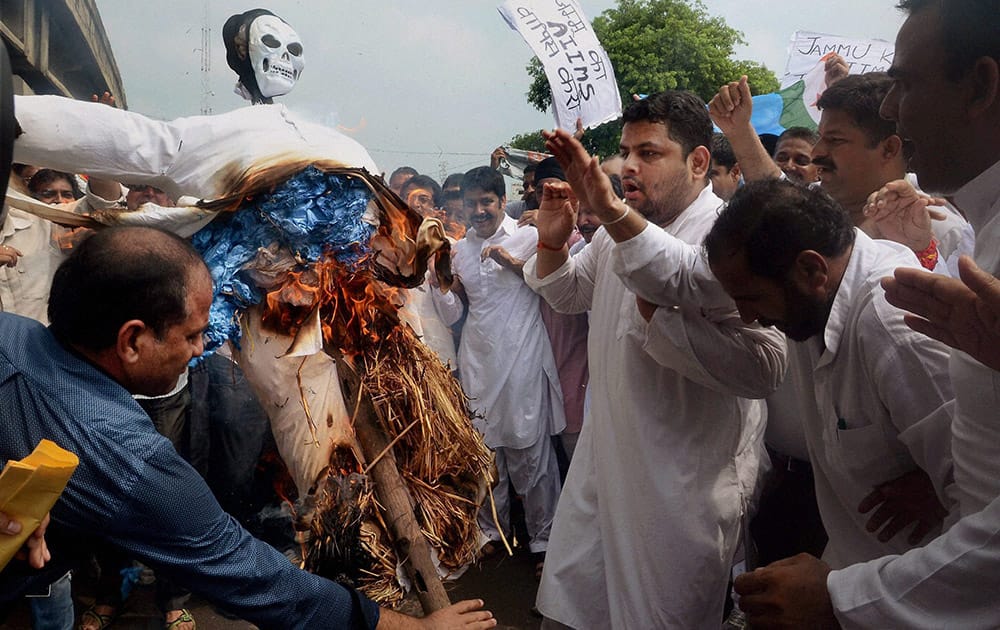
(356, 310)
(396, 242)
(358, 303)
(452, 228)
(271, 464)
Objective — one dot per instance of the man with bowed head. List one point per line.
(945, 99)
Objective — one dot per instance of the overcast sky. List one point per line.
(436, 84)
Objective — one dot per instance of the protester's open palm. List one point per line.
(583, 172)
(556, 216)
(964, 314)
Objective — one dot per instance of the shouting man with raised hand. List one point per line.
(649, 518)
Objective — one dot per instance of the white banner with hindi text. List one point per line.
(579, 72)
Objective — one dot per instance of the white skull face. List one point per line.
(275, 54)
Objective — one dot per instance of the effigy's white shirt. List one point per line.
(425, 319)
(196, 155)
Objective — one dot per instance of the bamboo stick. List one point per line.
(411, 545)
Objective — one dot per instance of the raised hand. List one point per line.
(898, 212)
(556, 215)
(835, 69)
(499, 154)
(962, 313)
(583, 172)
(104, 99)
(732, 106)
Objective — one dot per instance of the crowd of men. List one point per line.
(719, 377)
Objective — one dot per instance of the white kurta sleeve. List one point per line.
(697, 330)
(94, 202)
(196, 155)
(447, 306)
(665, 270)
(569, 289)
(73, 136)
(952, 582)
(726, 355)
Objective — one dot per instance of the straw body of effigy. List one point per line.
(329, 328)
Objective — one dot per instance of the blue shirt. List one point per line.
(133, 489)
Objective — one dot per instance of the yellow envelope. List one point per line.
(29, 488)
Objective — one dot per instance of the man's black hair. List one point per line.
(722, 151)
(860, 97)
(549, 168)
(119, 274)
(486, 179)
(772, 221)
(234, 36)
(800, 133)
(404, 170)
(453, 181)
(684, 114)
(970, 29)
(46, 176)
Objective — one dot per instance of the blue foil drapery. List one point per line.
(309, 214)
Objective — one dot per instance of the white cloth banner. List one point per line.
(579, 71)
(861, 55)
(515, 160)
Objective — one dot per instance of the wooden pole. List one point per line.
(410, 543)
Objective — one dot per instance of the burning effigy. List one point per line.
(312, 257)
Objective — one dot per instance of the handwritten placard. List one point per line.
(861, 55)
(576, 65)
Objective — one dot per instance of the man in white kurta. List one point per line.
(648, 521)
(28, 260)
(505, 360)
(874, 396)
(947, 102)
(954, 580)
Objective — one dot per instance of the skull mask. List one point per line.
(275, 54)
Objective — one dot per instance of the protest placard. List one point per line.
(576, 65)
(862, 55)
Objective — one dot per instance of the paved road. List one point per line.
(507, 584)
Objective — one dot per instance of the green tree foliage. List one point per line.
(531, 141)
(657, 45)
